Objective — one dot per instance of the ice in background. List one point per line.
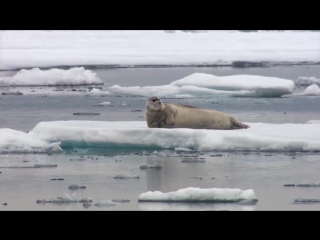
(200, 85)
(52, 77)
(21, 49)
(306, 81)
(197, 85)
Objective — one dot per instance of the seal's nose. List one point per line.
(159, 102)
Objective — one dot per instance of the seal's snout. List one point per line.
(159, 102)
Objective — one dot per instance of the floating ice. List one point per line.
(181, 150)
(304, 184)
(86, 205)
(45, 91)
(45, 165)
(202, 85)
(200, 195)
(86, 114)
(120, 200)
(236, 82)
(313, 122)
(126, 176)
(34, 166)
(306, 200)
(65, 200)
(306, 81)
(21, 49)
(136, 134)
(289, 185)
(191, 160)
(51, 77)
(95, 92)
(105, 203)
(168, 91)
(312, 90)
(13, 141)
(12, 93)
(104, 104)
(144, 167)
(76, 187)
(17, 166)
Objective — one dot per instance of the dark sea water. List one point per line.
(21, 188)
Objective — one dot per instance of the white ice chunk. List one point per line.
(306, 81)
(312, 90)
(51, 77)
(192, 194)
(202, 85)
(14, 141)
(104, 104)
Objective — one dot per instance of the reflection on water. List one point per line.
(21, 188)
(173, 174)
(159, 206)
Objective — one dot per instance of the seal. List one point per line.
(167, 115)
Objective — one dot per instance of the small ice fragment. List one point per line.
(126, 177)
(143, 167)
(106, 203)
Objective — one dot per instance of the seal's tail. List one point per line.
(238, 125)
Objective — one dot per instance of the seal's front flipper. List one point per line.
(170, 119)
(154, 125)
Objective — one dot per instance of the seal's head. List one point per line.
(154, 104)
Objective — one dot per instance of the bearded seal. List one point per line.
(167, 115)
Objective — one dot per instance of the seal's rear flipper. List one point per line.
(238, 125)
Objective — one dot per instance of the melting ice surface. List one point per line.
(192, 194)
(202, 85)
(136, 134)
(51, 77)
